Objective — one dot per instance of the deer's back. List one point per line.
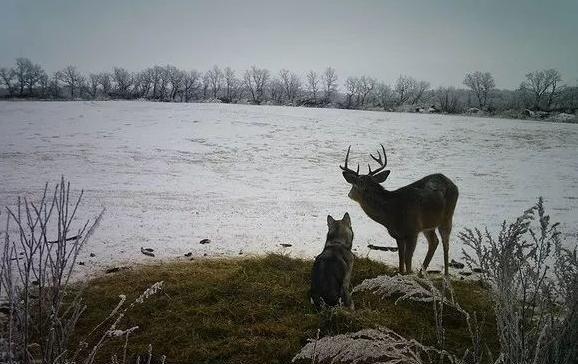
(426, 203)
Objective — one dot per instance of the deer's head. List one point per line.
(361, 184)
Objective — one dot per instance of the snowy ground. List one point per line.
(252, 177)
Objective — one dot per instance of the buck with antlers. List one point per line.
(422, 206)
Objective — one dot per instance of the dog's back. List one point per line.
(332, 268)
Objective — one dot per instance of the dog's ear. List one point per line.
(330, 220)
(347, 219)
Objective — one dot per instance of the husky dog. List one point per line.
(332, 268)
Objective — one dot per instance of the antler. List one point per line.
(382, 163)
(345, 168)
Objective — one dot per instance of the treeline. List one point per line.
(542, 90)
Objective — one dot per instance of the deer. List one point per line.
(422, 206)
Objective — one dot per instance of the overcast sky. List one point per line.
(438, 41)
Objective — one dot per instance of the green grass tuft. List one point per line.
(257, 310)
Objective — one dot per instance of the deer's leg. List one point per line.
(401, 254)
(432, 241)
(410, 244)
(445, 231)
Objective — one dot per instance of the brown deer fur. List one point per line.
(421, 206)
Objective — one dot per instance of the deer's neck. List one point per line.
(378, 205)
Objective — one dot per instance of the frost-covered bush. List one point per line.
(418, 289)
(380, 345)
(41, 310)
(533, 280)
(406, 286)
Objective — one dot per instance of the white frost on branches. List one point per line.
(370, 346)
(119, 333)
(409, 287)
(150, 291)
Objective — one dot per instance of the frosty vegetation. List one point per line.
(534, 284)
(405, 286)
(533, 281)
(379, 345)
(541, 91)
(40, 307)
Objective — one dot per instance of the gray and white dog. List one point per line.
(332, 268)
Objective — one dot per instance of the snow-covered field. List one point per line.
(252, 177)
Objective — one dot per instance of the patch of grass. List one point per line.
(257, 310)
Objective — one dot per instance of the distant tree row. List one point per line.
(541, 90)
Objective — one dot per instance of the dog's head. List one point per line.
(340, 231)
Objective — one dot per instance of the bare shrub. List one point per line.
(115, 317)
(481, 84)
(41, 309)
(407, 287)
(534, 284)
(370, 346)
(423, 290)
(448, 100)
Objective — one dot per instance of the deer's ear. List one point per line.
(350, 177)
(347, 219)
(330, 220)
(382, 176)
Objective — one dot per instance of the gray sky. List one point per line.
(435, 40)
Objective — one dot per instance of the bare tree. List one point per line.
(284, 77)
(419, 91)
(230, 84)
(71, 78)
(291, 84)
(448, 99)
(365, 86)
(93, 82)
(384, 95)
(350, 90)
(481, 84)
(191, 83)
(53, 87)
(83, 91)
(33, 76)
(44, 84)
(543, 87)
(276, 90)
(7, 77)
(313, 84)
(555, 88)
(156, 74)
(21, 71)
(256, 80)
(206, 85)
(329, 83)
(164, 82)
(142, 83)
(215, 78)
(261, 78)
(175, 77)
(27, 75)
(123, 80)
(404, 87)
(569, 97)
(105, 80)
